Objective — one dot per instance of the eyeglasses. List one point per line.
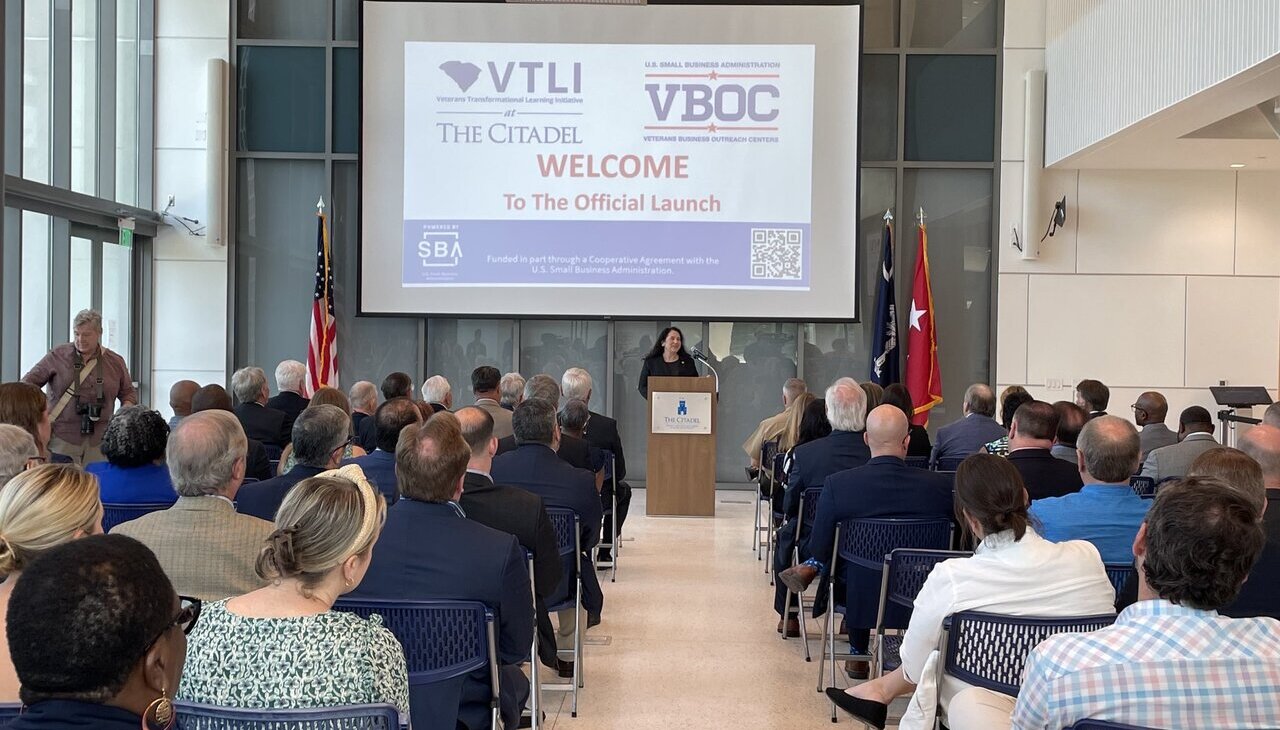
(188, 614)
(343, 446)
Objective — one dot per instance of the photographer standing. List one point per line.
(83, 381)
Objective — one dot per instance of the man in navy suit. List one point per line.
(967, 436)
(379, 465)
(602, 433)
(1030, 442)
(428, 550)
(290, 376)
(319, 437)
(885, 487)
(811, 464)
(534, 466)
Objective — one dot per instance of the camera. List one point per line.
(90, 413)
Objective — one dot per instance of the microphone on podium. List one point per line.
(697, 355)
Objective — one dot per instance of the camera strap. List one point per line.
(70, 392)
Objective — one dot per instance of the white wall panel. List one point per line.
(1024, 24)
(1057, 254)
(193, 19)
(190, 305)
(181, 173)
(1126, 330)
(1233, 330)
(1258, 223)
(1156, 222)
(181, 65)
(1011, 330)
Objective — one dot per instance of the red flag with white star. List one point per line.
(924, 379)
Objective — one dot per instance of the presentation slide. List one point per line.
(515, 161)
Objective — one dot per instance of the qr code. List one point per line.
(776, 253)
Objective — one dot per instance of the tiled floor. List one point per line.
(688, 638)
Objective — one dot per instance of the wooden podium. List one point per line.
(682, 447)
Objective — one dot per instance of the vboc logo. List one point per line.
(539, 76)
(725, 102)
(439, 249)
(682, 409)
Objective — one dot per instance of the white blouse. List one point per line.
(1027, 577)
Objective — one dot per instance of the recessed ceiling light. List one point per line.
(1237, 165)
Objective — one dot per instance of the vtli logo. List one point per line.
(529, 77)
(682, 409)
(439, 249)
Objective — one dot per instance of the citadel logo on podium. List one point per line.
(681, 412)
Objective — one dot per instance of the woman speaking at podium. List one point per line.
(667, 358)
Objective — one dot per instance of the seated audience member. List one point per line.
(1271, 416)
(1031, 435)
(96, 633)
(18, 452)
(1195, 436)
(572, 418)
(1014, 571)
(379, 465)
(1093, 396)
(206, 548)
(395, 385)
(134, 471)
(773, 427)
(332, 397)
(1011, 399)
(534, 466)
(516, 512)
(898, 395)
(601, 432)
(25, 406)
(1149, 412)
(216, 398)
(291, 377)
(180, 394)
(811, 463)
(363, 397)
(429, 550)
(796, 413)
(875, 394)
(283, 646)
(268, 425)
(1071, 418)
(1170, 660)
(1260, 595)
(1105, 511)
(39, 509)
(320, 436)
(485, 387)
(572, 449)
(511, 390)
(974, 430)
(438, 393)
(884, 487)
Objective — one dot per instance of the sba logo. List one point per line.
(439, 249)
(682, 409)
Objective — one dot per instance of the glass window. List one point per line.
(346, 20)
(753, 360)
(117, 299)
(632, 342)
(951, 108)
(127, 102)
(84, 96)
(455, 347)
(346, 100)
(36, 93)
(880, 23)
(81, 294)
(950, 23)
(880, 107)
(957, 205)
(275, 258)
(281, 95)
(554, 346)
(305, 20)
(35, 287)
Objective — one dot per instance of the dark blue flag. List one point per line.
(884, 338)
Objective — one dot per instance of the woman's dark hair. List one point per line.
(662, 337)
(990, 489)
(898, 396)
(83, 615)
(814, 424)
(135, 436)
(1012, 398)
(23, 405)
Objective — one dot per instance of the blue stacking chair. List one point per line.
(866, 542)
(778, 479)
(115, 514)
(1144, 487)
(1104, 725)
(534, 710)
(948, 464)
(1118, 574)
(764, 499)
(990, 650)
(442, 639)
(9, 712)
(808, 509)
(565, 523)
(611, 476)
(903, 575)
(917, 462)
(349, 717)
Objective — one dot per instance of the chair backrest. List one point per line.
(441, 639)
(990, 650)
(350, 717)
(608, 464)
(808, 506)
(565, 524)
(866, 542)
(768, 450)
(9, 712)
(950, 463)
(1104, 725)
(115, 514)
(1118, 574)
(918, 462)
(1144, 487)
(905, 570)
(779, 473)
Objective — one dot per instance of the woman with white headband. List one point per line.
(283, 645)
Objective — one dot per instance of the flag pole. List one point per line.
(888, 215)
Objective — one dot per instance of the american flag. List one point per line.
(322, 356)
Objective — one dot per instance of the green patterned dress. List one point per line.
(330, 659)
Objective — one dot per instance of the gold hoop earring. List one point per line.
(162, 708)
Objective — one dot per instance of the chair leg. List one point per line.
(577, 651)
(535, 681)
(613, 539)
(755, 530)
(831, 648)
(804, 627)
(822, 660)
